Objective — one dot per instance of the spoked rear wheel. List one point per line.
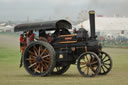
(39, 58)
(106, 63)
(88, 64)
(58, 70)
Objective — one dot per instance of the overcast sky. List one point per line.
(43, 9)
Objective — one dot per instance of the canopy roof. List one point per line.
(48, 25)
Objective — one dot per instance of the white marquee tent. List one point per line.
(108, 25)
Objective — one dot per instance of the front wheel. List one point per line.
(88, 64)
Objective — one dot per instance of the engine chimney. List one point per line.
(92, 23)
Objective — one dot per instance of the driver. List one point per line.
(43, 36)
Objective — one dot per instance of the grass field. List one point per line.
(11, 74)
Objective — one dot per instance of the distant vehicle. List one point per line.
(43, 57)
(6, 28)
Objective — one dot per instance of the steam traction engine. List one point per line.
(42, 58)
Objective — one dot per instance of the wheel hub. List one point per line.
(38, 58)
(88, 64)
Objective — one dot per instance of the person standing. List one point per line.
(27, 38)
(32, 36)
(22, 43)
(22, 47)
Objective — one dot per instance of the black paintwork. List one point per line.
(92, 23)
(70, 56)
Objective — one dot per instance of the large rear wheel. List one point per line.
(39, 58)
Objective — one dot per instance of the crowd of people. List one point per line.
(27, 37)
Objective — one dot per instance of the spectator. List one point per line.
(22, 43)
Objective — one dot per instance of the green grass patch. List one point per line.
(11, 74)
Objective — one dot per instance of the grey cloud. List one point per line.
(42, 9)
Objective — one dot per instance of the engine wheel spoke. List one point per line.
(83, 66)
(39, 51)
(35, 52)
(46, 61)
(45, 56)
(32, 53)
(31, 65)
(82, 63)
(87, 58)
(104, 57)
(42, 69)
(94, 62)
(102, 68)
(35, 48)
(87, 70)
(107, 63)
(43, 52)
(105, 66)
(106, 60)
